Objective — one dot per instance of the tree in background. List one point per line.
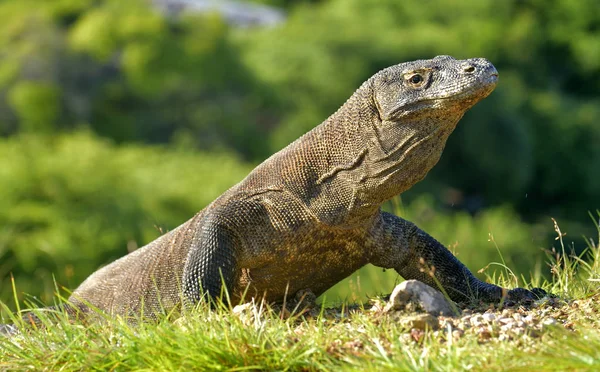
(129, 73)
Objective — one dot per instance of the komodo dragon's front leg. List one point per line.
(211, 261)
(414, 254)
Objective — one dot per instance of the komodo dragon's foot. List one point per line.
(523, 295)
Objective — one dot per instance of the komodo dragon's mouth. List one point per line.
(466, 100)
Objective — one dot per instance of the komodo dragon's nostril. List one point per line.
(469, 68)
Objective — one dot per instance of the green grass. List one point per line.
(218, 340)
(347, 338)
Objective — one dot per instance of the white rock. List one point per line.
(421, 295)
(489, 317)
(549, 321)
(477, 320)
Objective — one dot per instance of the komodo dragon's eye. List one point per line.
(416, 80)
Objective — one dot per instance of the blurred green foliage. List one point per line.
(128, 73)
(72, 203)
(74, 71)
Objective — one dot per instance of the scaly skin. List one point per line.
(310, 214)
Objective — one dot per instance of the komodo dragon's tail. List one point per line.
(8, 330)
(33, 320)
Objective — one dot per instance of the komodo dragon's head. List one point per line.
(383, 140)
(443, 83)
(418, 105)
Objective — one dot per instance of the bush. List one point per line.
(72, 203)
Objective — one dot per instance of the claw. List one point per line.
(522, 294)
(540, 293)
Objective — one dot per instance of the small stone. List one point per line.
(549, 321)
(504, 337)
(477, 320)
(417, 334)
(485, 335)
(457, 334)
(447, 323)
(506, 320)
(488, 317)
(245, 313)
(300, 330)
(377, 305)
(519, 331)
(421, 322)
(463, 324)
(239, 309)
(466, 318)
(353, 346)
(182, 324)
(517, 316)
(405, 338)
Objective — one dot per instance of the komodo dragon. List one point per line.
(310, 215)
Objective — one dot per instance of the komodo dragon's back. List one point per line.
(310, 214)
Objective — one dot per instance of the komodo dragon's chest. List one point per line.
(285, 246)
(311, 257)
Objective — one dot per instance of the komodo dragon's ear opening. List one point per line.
(396, 91)
(385, 93)
(378, 108)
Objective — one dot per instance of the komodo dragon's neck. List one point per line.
(343, 169)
